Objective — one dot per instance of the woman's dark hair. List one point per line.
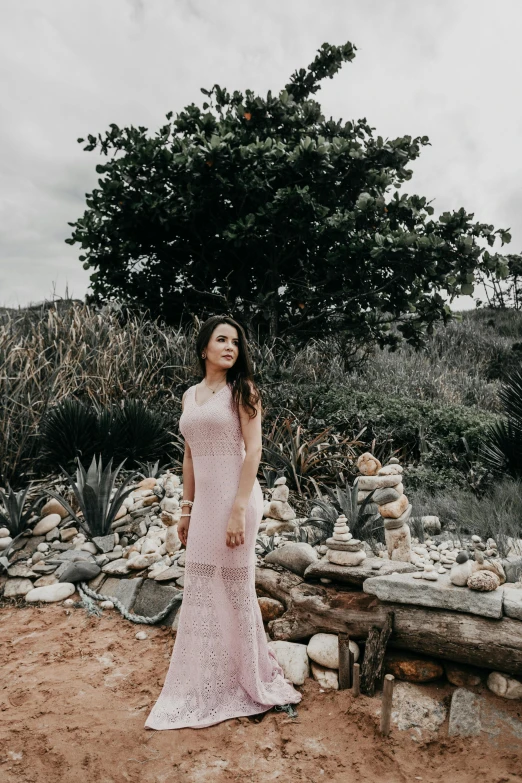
(240, 375)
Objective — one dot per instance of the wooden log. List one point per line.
(373, 662)
(345, 660)
(455, 636)
(386, 704)
(356, 687)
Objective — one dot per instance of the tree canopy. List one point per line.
(292, 223)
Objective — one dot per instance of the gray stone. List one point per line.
(391, 524)
(475, 715)
(79, 571)
(125, 590)
(32, 544)
(512, 566)
(513, 602)
(153, 597)
(17, 586)
(72, 554)
(120, 566)
(412, 709)
(356, 575)
(21, 569)
(431, 525)
(44, 568)
(180, 581)
(104, 543)
(403, 588)
(294, 556)
(464, 718)
(385, 495)
(173, 572)
(377, 482)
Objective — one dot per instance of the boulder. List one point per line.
(483, 581)
(323, 648)
(461, 675)
(475, 716)
(46, 524)
(270, 608)
(505, 686)
(412, 709)
(51, 593)
(79, 571)
(356, 575)
(398, 543)
(327, 678)
(412, 668)
(294, 556)
(293, 659)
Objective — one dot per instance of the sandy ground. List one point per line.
(76, 690)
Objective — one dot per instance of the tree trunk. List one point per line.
(455, 636)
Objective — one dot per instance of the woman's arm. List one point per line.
(251, 430)
(189, 487)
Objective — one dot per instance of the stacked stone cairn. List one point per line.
(343, 548)
(390, 500)
(279, 515)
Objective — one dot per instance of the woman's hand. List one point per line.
(183, 528)
(236, 528)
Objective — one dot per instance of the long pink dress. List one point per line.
(221, 666)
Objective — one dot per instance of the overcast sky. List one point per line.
(448, 69)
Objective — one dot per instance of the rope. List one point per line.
(288, 708)
(85, 591)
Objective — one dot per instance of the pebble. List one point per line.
(141, 635)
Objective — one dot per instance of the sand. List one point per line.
(76, 690)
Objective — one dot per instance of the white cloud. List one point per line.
(446, 70)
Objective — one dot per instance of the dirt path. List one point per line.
(76, 690)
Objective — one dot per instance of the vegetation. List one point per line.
(261, 207)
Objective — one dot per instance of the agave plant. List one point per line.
(15, 519)
(149, 470)
(266, 546)
(502, 450)
(93, 490)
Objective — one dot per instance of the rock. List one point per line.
(79, 571)
(386, 495)
(390, 470)
(270, 608)
(120, 566)
(345, 558)
(431, 525)
(172, 572)
(398, 543)
(123, 590)
(504, 685)
(395, 509)
(368, 464)
(280, 511)
(355, 575)
(140, 562)
(464, 720)
(46, 524)
(512, 604)
(460, 573)
(512, 565)
(377, 482)
(5, 543)
(274, 527)
(104, 543)
(149, 482)
(495, 566)
(323, 648)
(17, 586)
(153, 597)
(403, 588)
(294, 556)
(483, 581)
(475, 716)
(53, 506)
(393, 524)
(293, 659)
(47, 579)
(412, 709)
(412, 668)
(51, 593)
(461, 675)
(327, 678)
(362, 495)
(4, 532)
(281, 492)
(21, 569)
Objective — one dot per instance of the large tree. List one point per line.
(263, 208)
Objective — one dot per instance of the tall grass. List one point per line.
(70, 349)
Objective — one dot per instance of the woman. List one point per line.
(221, 666)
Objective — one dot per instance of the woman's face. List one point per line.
(223, 347)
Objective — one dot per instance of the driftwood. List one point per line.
(345, 662)
(455, 636)
(372, 669)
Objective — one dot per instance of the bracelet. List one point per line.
(184, 515)
(186, 503)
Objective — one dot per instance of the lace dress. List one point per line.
(221, 666)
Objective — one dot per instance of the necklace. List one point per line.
(210, 387)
